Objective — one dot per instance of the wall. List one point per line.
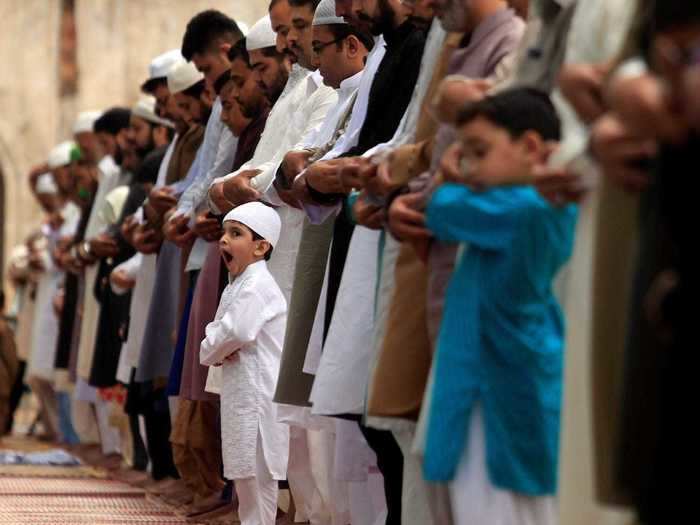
(116, 40)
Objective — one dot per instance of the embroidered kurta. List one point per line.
(246, 336)
(501, 337)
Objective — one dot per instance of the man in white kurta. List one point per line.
(246, 338)
(40, 368)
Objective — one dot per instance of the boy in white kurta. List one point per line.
(246, 339)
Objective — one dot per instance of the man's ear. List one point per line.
(354, 46)
(224, 47)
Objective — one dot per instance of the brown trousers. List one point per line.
(196, 440)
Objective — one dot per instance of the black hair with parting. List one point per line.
(113, 121)
(240, 51)
(342, 31)
(205, 28)
(517, 111)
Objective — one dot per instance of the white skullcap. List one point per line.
(161, 65)
(260, 218)
(243, 27)
(45, 185)
(325, 14)
(85, 121)
(61, 154)
(182, 76)
(146, 109)
(261, 35)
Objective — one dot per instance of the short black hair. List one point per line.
(195, 90)
(313, 4)
(517, 110)
(668, 14)
(152, 84)
(112, 121)
(342, 31)
(239, 50)
(206, 27)
(272, 52)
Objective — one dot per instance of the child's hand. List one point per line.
(452, 166)
(406, 223)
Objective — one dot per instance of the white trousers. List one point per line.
(415, 506)
(476, 501)
(109, 435)
(257, 497)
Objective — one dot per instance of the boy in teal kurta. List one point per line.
(502, 336)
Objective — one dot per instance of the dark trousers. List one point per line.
(390, 463)
(15, 395)
(140, 452)
(156, 413)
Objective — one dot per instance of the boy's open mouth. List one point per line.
(227, 257)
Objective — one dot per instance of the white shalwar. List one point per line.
(246, 339)
(476, 501)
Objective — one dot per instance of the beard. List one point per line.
(142, 151)
(454, 18)
(251, 109)
(118, 156)
(206, 113)
(420, 23)
(383, 22)
(275, 90)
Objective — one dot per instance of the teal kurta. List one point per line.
(501, 338)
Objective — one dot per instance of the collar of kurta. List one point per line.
(251, 269)
(350, 84)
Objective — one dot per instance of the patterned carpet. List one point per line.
(43, 495)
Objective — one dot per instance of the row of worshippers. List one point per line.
(325, 252)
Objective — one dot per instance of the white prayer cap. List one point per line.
(161, 65)
(61, 154)
(45, 185)
(85, 121)
(146, 109)
(182, 76)
(325, 14)
(260, 218)
(243, 27)
(261, 35)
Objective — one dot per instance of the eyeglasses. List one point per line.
(319, 47)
